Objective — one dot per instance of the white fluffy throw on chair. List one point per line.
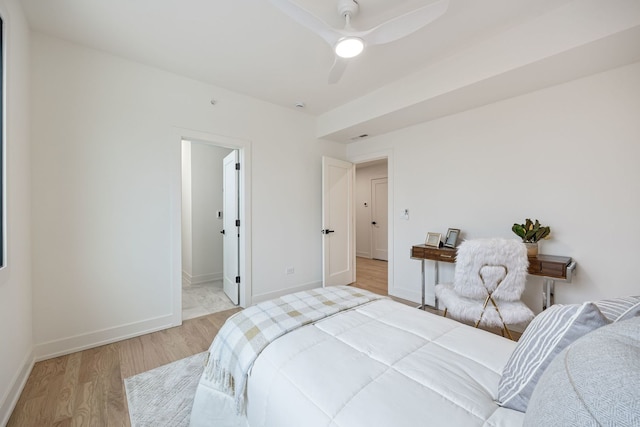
(488, 268)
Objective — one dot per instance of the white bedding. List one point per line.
(381, 364)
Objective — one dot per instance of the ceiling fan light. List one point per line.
(349, 47)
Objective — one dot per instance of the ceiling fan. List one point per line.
(348, 42)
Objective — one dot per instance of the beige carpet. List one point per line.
(164, 396)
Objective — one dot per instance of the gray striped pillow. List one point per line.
(546, 336)
(617, 309)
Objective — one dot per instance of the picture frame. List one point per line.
(433, 239)
(452, 238)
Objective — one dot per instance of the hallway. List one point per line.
(371, 274)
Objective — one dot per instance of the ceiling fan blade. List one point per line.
(406, 24)
(308, 20)
(337, 70)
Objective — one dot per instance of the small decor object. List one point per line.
(531, 233)
(433, 239)
(452, 238)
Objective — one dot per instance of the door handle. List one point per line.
(327, 231)
(222, 232)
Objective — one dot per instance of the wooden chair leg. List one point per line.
(445, 312)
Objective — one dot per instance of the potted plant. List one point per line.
(531, 233)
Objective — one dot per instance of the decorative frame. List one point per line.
(433, 239)
(452, 238)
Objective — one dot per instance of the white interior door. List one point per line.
(379, 220)
(338, 222)
(231, 230)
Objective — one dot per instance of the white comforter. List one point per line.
(382, 364)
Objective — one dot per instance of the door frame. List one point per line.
(381, 155)
(244, 154)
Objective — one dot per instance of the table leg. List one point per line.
(548, 293)
(436, 280)
(423, 285)
(424, 306)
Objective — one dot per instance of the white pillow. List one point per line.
(546, 336)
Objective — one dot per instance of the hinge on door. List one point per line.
(237, 223)
(237, 279)
(237, 166)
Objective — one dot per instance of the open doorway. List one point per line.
(372, 225)
(202, 223)
(243, 147)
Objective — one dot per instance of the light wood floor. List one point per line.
(371, 274)
(87, 388)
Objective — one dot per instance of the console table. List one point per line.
(549, 267)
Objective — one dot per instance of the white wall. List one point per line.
(16, 337)
(364, 175)
(104, 156)
(567, 155)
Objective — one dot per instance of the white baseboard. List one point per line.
(81, 342)
(410, 295)
(17, 385)
(275, 294)
(363, 254)
(203, 278)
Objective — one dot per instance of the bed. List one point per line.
(380, 363)
(342, 357)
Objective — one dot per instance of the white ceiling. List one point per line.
(250, 47)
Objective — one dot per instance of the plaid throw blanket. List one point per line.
(247, 333)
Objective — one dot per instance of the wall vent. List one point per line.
(355, 138)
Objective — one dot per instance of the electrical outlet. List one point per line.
(404, 214)
(290, 270)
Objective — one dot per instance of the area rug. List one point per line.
(164, 396)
